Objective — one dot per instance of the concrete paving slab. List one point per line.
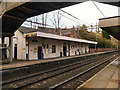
(113, 83)
(107, 78)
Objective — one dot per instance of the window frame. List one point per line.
(53, 48)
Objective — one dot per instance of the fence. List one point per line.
(101, 50)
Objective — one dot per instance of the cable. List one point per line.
(74, 17)
(56, 6)
(68, 18)
(13, 17)
(98, 8)
(69, 14)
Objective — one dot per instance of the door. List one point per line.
(0, 54)
(39, 52)
(64, 50)
(85, 50)
(15, 51)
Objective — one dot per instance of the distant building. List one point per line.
(33, 44)
(71, 32)
(46, 30)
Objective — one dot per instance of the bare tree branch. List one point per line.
(56, 20)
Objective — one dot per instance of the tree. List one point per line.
(32, 22)
(83, 32)
(56, 20)
(105, 34)
(44, 20)
(103, 39)
(83, 27)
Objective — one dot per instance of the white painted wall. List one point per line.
(20, 40)
(50, 42)
(47, 53)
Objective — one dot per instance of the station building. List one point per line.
(32, 44)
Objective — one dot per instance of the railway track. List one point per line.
(58, 76)
(77, 80)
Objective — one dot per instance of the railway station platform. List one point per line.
(22, 63)
(107, 78)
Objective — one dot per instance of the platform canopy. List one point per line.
(57, 37)
(111, 25)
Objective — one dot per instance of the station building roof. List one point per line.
(28, 30)
(59, 37)
(33, 33)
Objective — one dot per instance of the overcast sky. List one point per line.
(86, 12)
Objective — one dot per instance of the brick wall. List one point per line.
(101, 50)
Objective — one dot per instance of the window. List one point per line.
(64, 43)
(15, 45)
(47, 49)
(47, 46)
(81, 45)
(53, 48)
(43, 46)
(34, 41)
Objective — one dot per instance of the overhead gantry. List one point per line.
(13, 14)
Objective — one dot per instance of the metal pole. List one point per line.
(95, 48)
(27, 48)
(3, 51)
(91, 28)
(11, 48)
(68, 48)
